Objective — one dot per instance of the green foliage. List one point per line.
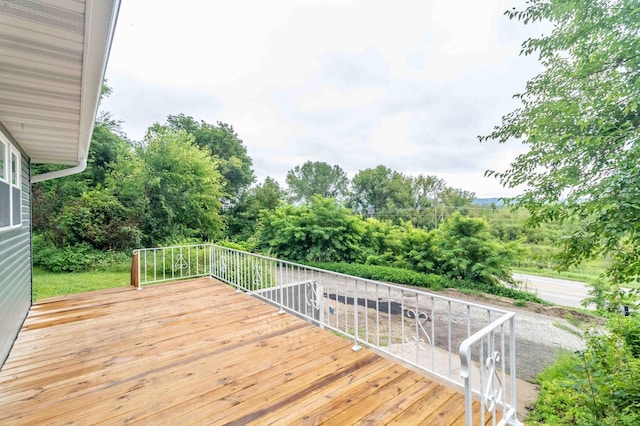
(385, 273)
(106, 145)
(383, 243)
(467, 251)
(182, 187)
(581, 121)
(49, 197)
(380, 192)
(98, 219)
(322, 231)
(420, 250)
(419, 279)
(77, 258)
(600, 385)
(317, 178)
(242, 218)
(223, 144)
(460, 249)
(247, 246)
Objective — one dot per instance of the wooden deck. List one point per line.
(197, 352)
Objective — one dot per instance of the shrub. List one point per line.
(432, 281)
(600, 385)
(386, 273)
(98, 219)
(77, 258)
(322, 231)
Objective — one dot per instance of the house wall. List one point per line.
(15, 265)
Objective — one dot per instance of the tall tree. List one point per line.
(381, 193)
(581, 121)
(242, 217)
(426, 200)
(316, 178)
(222, 142)
(182, 185)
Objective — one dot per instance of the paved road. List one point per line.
(556, 290)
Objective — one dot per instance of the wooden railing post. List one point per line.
(135, 276)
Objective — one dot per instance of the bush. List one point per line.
(98, 219)
(322, 231)
(600, 385)
(248, 246)
(432, 281)
(386, 273)
(77, 258)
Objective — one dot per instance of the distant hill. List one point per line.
(487, 201)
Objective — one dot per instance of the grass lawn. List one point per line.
(567, 275)
(48, 284)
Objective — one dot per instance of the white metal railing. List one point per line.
(162, 264)
(464, 343)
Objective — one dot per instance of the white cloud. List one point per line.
(356, 83)
(341, 99)
(392, 138)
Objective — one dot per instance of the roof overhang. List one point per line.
(53, 57)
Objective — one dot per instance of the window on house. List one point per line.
(14, 169)
(10, 194)
(3, 160)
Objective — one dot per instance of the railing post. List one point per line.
(135, 270)
(465, 372)
(210, 259)
(281, 311)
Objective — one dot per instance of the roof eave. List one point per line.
(98, 39)
(97, 46)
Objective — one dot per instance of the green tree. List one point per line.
(222, 142)
(322, 231)
(98, 219)
(182, 187)
(426, 202)
(581, 122)
(49, 197)
(383, 243)
(468, 251)
(242, 218)
(420, 250)
(382, 193)
(316, 178)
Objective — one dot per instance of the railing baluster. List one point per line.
(377, 315)
(449, 320)
(433, 333)
(356, 324)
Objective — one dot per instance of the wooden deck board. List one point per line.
(197, 352)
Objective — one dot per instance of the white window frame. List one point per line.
(4, 173)
(6, 177)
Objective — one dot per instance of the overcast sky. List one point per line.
(407, 84)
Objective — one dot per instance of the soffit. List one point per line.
(53, 56)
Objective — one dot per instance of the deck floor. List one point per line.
(197, 352)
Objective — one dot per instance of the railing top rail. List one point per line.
(393, 286)
(175, 247)
(465, 346)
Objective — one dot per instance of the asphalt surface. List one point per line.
(556, 290)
